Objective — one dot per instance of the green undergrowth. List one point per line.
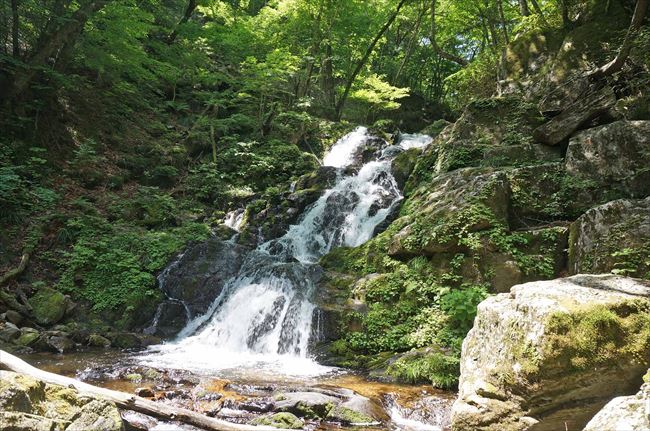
(109, 261)
(436, 368)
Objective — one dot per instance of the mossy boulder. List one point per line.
(27, 403)
(552, 353)
(614, 156)
(403, 165)
(28, 337)
(485, 125)
(48, 306)
(283, 420)
(357, 410)
(614, 237)
(312, 405)
(438, 215)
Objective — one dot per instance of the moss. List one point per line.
(348, 416)
(283, 420)
(600, 335)
(27, 338)
(48, 306)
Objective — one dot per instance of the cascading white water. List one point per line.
(264, 315)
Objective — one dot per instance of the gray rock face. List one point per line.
(615, 155)
(447, 197)
(624, 413)
(199, 275)
(538, 357)
(612, 237)
(564, 125)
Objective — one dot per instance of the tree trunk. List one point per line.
(15, 27)
(502, 17)
(564, 9)
(434, 43)
(364, 59)
(411, 45)
(123, 400)
(523, 8)
(327, 79)
(624, 51)
(65, 34)
(189, 10)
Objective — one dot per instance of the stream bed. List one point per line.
(242, 395)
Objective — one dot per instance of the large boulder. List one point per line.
(550, 354)
(305, 404)
(614, 155)
(624, 413)
(48, 306)
(199, 274)
(612, 237)
(30, 404)
(560, 128)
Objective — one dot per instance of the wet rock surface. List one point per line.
(335, 402)
(612, 237)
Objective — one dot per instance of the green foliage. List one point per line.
(460, 305)
(437, 368)
(111, 265)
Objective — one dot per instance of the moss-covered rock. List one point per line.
(48, 306)
(305, 404)
(614, 156)
(403, 165)
(283, 420)
(552, 353)
(614, 237)
(27, 403)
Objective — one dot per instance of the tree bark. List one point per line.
(411, 45)
(15, 28)
(364, 59)
(125, 401)
(65, 34)
(617, 63)
(523, 8)
(502, 18)
(434, 43)
(189, 10)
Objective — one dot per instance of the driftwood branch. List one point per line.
(13, 273)
(126, 401)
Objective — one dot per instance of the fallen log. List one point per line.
(126, 401)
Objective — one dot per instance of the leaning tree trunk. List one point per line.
(364, 59)
(624, 51)
(125, 401)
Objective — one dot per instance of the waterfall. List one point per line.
(263, 316)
